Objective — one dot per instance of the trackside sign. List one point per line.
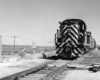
(33, 45)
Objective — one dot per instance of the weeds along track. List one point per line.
(32, 70)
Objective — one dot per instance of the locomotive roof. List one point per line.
(72, 21)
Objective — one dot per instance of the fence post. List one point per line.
(34, 48)
(1, 49)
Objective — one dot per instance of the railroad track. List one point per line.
(41, 72)
(59, 70)
(47, 72)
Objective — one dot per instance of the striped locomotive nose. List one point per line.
(69, 30)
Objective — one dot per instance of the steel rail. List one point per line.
(55, 73)
(18, 75)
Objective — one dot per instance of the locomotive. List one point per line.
(72, 39)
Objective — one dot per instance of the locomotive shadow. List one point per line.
(57, 57)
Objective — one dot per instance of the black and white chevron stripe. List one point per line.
(69, 37)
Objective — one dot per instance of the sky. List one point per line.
(37, 20)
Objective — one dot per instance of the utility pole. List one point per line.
(14, 43)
